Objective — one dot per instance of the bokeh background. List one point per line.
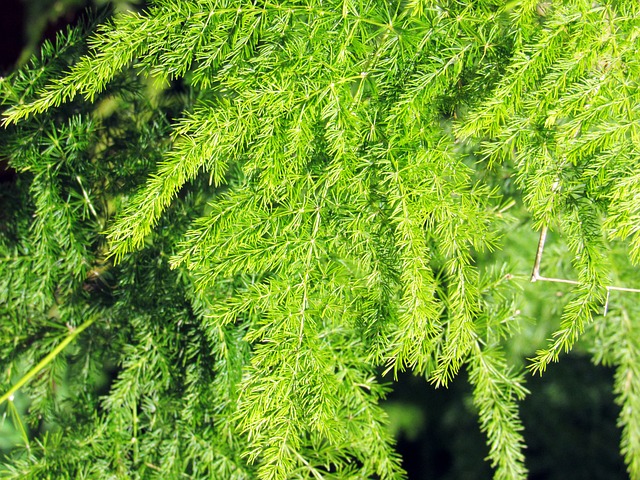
(570, 416)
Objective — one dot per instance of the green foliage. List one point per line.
(254, 208)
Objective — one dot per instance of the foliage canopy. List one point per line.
(241, 212)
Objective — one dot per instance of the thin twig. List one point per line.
(623, 289)
(46, 360)
(555, 280)
(86, 197)
(535, 274)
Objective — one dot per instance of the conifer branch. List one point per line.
(496, 391)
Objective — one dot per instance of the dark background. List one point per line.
(569, 419)
(12, 19)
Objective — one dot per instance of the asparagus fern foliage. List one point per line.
(235, 215)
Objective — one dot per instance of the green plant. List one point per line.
(296, 195)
